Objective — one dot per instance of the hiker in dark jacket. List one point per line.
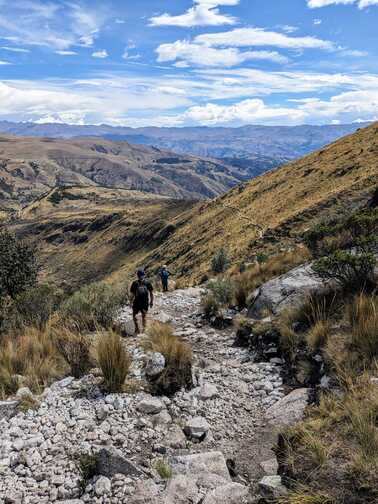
(164, 275)
(142, 294)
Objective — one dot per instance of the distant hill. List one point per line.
(86, 233)
(29, 167)
(256, 148)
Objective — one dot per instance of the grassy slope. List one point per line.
(152, 230)
(30, 167)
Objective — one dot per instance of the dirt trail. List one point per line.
(244, 389)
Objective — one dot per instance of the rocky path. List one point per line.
(136, 439)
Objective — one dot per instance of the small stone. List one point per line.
(24, 392)
(208, 391)
(150, 406)
(270, 467)
(155, 365)
(110, 462)
(196, 428)
(102, 486)
(272, 487)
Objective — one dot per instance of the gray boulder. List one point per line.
(196, 428)
(8, 409)
(290, 409)
(103, 486)
(271, 487)
(111, 462)
(150, 406)
(198, 464)
(232, 493)
(285, 291)
(181, 490)
(155, 365)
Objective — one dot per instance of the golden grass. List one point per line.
(32, 355)
(114, 361)
(75, 350)
(307, 496)
(178, 358)
(318, 335)
(363, 319)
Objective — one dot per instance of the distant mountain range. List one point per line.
(30, 167)
(254, 149)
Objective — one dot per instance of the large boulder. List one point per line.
(231, 493)
(290, 409)
(111, 462)
(285, 291)
(197, 464)
(181, 490)
(8, 409)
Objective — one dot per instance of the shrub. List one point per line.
(220, 261)
(222, 290)
(114, 361)
(163, 469)
(353, 272)
(178, 358)
(75, 350)
(363, 318)
(210, 305)
(92, 306)
(32, 355)
(87, 464)
(35, 306)
(240, 294)
(317, 307)
(18, 266)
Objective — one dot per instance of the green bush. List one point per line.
(210, 305)
(92, 306)
(353, 272)
(36, 305)
(220, 261)
(18, 265)
(222, 290)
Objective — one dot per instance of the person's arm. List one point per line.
(132, 292)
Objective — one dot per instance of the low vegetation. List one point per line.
(95, 305)
(114, 361)
(178, 358)
(75, 350)
(220, 262)
(163, 469)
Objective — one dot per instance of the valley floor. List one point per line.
(40, 450)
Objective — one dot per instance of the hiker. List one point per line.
(164, 275)
(143, 298)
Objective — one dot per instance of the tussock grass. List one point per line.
(163, 469)
(363, 318)
(318, 335)
(178, 357)
(114, 361)
(304, 496)
(75, 350)
(32, 355)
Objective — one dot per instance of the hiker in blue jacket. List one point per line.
(164, 275)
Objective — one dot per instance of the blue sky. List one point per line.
(189, 62)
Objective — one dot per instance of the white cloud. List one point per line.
(59, 25)
(203, 13)
(362, 4)
(198, 54)
(4, 62)
(15, 49)
(317, 22)
(66, 53)
(103, 54)
(241, 37)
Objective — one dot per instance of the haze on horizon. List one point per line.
(189, 62)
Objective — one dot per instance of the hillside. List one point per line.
(30, 167)
(254, 148)
(265, 214)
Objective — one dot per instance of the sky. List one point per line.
(189, 62)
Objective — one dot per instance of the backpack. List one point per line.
(164, 274)
(141, 292)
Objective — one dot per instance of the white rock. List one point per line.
(208, 391)
(150, 406)
(196, 428)
(103, 486)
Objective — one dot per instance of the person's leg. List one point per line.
(144, 320)
(135, 319)
(165, 286)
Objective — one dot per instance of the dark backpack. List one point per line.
(164, 274)
(141, 292)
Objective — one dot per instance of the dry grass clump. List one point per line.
(318, 335)
(363, 318)
(337, 442)
(304, 496)
(247, 281)
(178, 358)
(75, 350)
(31, 355)
(114, 361)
